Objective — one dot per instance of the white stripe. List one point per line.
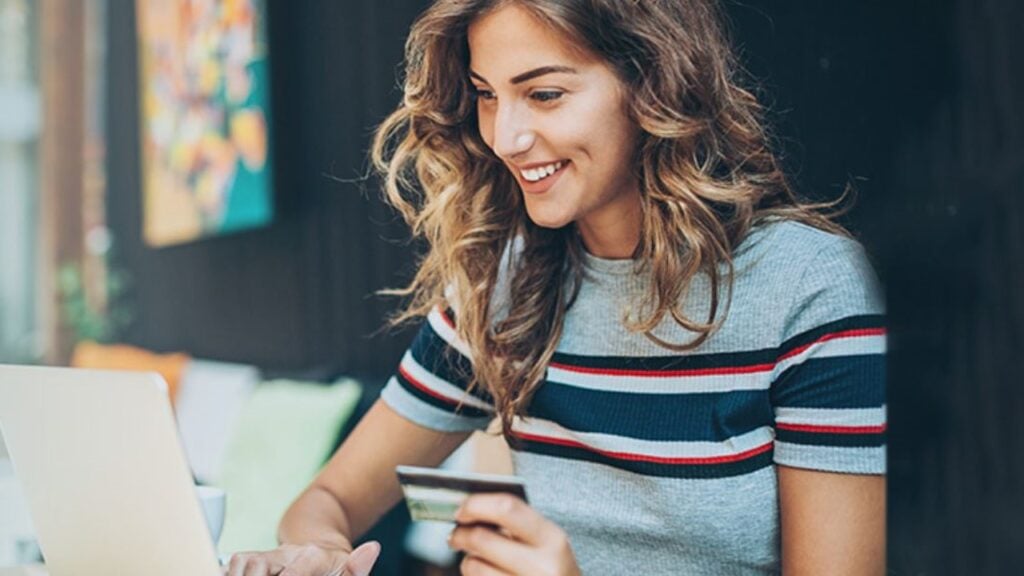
(446, 332)
(656, 448)
(831, 416)
(655, 384)
(439, 385)
(428, 415)
(847, 346)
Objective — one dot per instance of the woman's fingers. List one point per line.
(508, 512)
(249, 564)
(236, 567)
(474, 566)
(486, 544)
(258, 566)
(306, 565)
(304, 560)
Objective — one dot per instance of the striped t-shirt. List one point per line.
(658, 462)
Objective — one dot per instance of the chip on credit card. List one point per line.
(435, 494)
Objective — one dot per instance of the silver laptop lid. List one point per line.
(98, 457)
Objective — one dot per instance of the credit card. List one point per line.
(435, 494)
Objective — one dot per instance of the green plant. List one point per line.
(98, 319)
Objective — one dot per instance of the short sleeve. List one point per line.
(828, 391)
(431, 383)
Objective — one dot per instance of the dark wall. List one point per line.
(844, 81)
(916, 103)
(919, 103)
(956, 292)
(296, 295)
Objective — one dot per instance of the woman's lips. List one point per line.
(544, 184)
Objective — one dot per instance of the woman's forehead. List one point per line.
(512, 38)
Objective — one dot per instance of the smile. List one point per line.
(538, 174)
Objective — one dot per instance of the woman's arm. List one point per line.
(358, 485)
(831, 523)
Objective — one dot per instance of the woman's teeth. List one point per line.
(537, 174)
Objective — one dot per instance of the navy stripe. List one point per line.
(719, 360)
(436, 356)
(462, 410)
(752, 464)
(835, 382)
(666, 363)
(866, 321)
(713, 417)
(842, 440)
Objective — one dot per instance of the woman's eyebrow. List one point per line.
(531, 74)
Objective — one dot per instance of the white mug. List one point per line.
(213, 501)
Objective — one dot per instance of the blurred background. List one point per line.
(253, 278)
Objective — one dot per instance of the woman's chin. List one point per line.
(547, 214)
(544, 220)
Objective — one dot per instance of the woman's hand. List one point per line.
(502, 535)
(305, 560)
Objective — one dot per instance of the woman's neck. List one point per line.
(614, 233)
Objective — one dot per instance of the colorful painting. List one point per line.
(204, 89)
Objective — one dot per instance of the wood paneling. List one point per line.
(62, 45)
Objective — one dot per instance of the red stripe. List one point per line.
(445, 317)
(643, 457)
(421, 386)
(857, 333)
(666, 373)
(832, 429)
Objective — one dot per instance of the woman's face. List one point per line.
(557, 119)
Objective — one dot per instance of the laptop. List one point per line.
(108, 487)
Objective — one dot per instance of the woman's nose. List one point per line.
(513, 136)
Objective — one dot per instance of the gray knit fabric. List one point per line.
(805, 298)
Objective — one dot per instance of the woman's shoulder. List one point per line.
(793, 239)
(808, 262)
(788, 246)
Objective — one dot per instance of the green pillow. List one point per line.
(283, 436)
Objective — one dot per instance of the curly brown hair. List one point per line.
(705, 167)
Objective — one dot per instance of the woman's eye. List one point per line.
(483, 94)
(546, 95)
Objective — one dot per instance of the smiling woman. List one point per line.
(561, 127)
(687, 360)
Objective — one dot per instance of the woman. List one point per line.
(686, 360)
